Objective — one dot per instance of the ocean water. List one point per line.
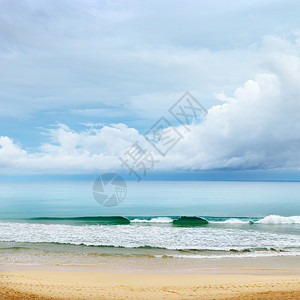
(231, 219)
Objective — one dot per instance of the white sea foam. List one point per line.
(234, 221)
(153, 220)
(275, 219)
(230, 221)
(241, 255)
(169, 237)
(272, 219)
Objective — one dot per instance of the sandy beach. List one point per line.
(149, 150)
(40, 284)
(120, 277)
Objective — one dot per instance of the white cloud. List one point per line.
(10, 153)
(258, 127)
(61, 54)
(69, 151)
(127, 61)
(99, 112)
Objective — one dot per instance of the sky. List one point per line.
(82, 81)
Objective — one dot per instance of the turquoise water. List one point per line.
(242, 219)
(223, 199)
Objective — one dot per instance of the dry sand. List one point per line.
(96, 285)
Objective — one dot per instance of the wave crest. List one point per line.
(153, 220)
(275, 219)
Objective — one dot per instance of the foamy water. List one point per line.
(244, 219)
(159, 232)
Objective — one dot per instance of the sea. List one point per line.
(157, 219)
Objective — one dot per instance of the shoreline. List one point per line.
(153, 265)
(157, 269)
(78, 284)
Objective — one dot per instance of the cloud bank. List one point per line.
(78, 55)
(258, 127)
(124, 63)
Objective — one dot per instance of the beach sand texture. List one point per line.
(96, 285)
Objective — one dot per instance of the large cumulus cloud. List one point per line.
(258, 127)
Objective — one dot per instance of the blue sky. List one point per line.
(82, 81)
